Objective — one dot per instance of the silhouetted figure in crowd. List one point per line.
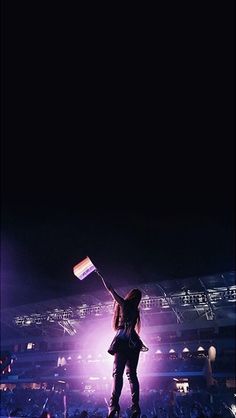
(84, 414)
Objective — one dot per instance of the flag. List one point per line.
(84, 268)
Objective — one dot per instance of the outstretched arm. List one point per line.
(110, 289)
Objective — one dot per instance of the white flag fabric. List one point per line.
(84, 268)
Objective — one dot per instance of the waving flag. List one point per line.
(84, 268)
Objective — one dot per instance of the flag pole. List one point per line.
(99, 274)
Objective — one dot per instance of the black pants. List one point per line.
(129, 359)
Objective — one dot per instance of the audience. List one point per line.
(42, 403)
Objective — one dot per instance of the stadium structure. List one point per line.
(61, 344)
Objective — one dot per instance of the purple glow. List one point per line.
(94, 361)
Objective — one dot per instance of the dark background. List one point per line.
(117, 143)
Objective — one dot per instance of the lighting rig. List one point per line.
(207, 302)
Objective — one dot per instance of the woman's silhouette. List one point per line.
(125, 347)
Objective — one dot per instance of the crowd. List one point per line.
(154, 403)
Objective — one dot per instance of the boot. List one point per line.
(134, 388)
(113, 411)
(135, 411)
(114, 408)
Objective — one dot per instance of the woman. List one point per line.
(125, 347)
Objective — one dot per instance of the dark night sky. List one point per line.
(117, 143)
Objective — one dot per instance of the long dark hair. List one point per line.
(134, 297)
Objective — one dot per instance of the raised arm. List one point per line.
(113, 293)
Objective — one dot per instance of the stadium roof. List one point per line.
(208, 297)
